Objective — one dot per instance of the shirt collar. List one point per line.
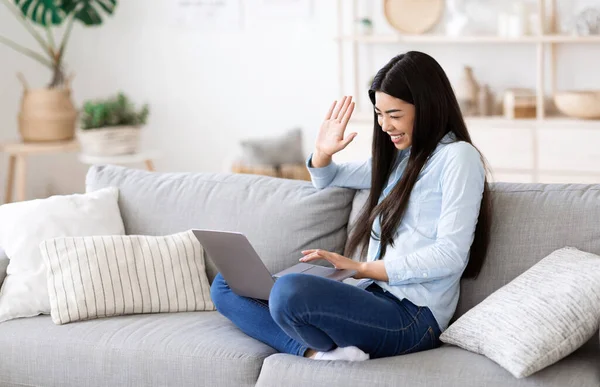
(448, 138)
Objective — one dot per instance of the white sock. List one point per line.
(343, 353)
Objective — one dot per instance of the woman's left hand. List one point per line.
(338, 261)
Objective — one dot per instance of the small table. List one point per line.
(17, 162)
(142, 157)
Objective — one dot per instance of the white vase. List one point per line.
(457, 18)
(466, 92)
(112, 141)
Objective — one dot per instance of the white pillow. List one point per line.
(24, 225)
(3, 265)
(538, 318)
(102, 276)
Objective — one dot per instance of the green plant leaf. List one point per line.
(87, 11)
(42, 12)
(116, 110)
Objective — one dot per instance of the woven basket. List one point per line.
(114, 141)
(47, 115)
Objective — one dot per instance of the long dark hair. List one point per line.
(418, 79)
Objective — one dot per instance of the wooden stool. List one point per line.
(285, 171)
(146, 158)
(17, 162)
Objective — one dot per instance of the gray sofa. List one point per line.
(281, 218)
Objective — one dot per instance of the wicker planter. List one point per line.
(47, 115)
(113, 141)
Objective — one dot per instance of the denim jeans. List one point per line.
(306, 311)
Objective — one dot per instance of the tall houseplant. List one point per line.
(48, 114)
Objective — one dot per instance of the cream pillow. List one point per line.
(24, 225)
(103, 276)
(538, 318)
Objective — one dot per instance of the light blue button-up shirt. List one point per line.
(432, 243)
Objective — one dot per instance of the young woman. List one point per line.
(425, 225)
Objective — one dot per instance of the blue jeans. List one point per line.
(306, 311)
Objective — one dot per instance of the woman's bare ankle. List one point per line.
(310, 353)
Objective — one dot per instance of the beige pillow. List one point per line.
(538, 318)
(103, 276)
(273, 151)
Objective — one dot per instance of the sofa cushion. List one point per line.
(529, 222)
(446, 366)
(358, 204)
(538, 318)
(280, 217)
(177, 349)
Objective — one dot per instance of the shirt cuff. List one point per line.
(397, 276)
(321, 176)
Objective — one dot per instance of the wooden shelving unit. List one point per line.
(497, 120)
(539, 163)
(442, 39)
(544, 43)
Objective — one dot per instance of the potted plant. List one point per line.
(366, 25)
(48, 114)
(111, 126)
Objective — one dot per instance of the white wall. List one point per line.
(208, 90)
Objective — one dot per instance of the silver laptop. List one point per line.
(245, 272)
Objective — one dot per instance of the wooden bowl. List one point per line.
(579, 103)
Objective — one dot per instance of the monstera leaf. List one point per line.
(54, 12)
(87, 11)
(43, 12)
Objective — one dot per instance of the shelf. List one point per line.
(570, 39)
(398, 38)
(549, 122)
(548, 172)
(500, 121)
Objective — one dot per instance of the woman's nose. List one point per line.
(386, 125)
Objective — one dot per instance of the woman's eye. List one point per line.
(394, 117)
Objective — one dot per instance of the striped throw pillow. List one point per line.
(103, 276)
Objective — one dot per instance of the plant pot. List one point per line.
(113, 141)
(47, 115)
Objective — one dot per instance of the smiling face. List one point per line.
(396, 118)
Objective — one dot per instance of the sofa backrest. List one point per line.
(529, 221)
(280, 217)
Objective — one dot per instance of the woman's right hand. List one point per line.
(330, 139)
